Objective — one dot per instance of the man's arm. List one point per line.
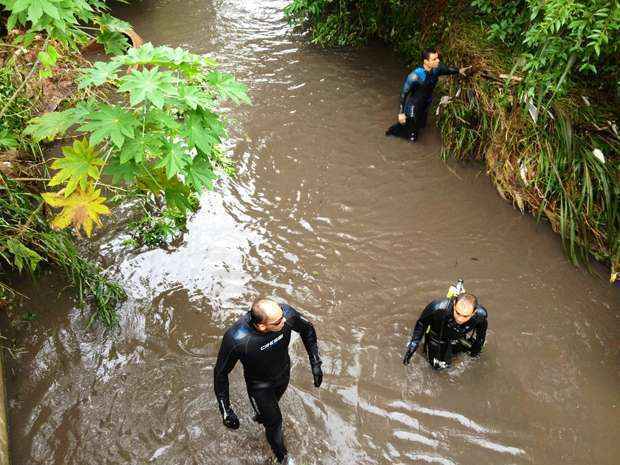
(419, 329)
(226, 361)
(306, 330)
(481, 334)
(425, 319)
(443, 70)
(410, 84)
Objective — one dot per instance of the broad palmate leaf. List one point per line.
(200, 175)
(149, 84)
(175, 160)
(228, 87)
(51, 124)
(81, 209)
(111, 122)
(79, 163)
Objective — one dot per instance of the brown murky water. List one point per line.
(357, 231)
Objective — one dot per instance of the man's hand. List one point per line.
(402, 118)
(411, 348)
(317, 373)
(462, 70)
(230, 419)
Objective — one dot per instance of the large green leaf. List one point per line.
(152, 85)
(80, 162)
(141, 148)
(200, 174)
(114, 43)
(175, 159)
(126, 172)
(35, 9)
(178, 196)
(198, 134)
(194, 97)
(100, 73)
(111, 23)
(111, 122)
(142, 55)
(156, 118)
(226, 86)
(51, 124)
(214, 123)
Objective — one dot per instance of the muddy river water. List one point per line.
(357, 231)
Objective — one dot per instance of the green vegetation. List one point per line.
(162, 138)
(540, 107)
(143, 125)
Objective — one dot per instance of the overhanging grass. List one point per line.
(547, 166)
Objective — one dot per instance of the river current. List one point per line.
(357, 231)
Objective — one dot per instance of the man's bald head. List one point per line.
(265, 310)
(464, 308)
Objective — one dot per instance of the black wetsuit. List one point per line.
(415, 99)
(266, 368)
(444, 337)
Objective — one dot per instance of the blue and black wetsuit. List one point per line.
(444, 337)
(415, 99)
(266, 368)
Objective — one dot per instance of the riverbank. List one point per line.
(550, 147)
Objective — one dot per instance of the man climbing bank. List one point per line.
(417, 93)
(260, 339)
(449, 326)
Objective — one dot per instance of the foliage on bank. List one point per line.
(142, 126)
(539, 107)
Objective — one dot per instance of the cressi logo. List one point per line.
(272, 342)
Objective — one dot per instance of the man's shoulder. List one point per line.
(238, 331)
(288, 311)
(481, 312)
(418, 73)
(439, 304)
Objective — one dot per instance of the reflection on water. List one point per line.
(359, 232)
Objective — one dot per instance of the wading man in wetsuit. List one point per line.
(449, 326)
(417, 93)
(260, 340)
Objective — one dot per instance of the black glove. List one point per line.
(411, 348)
(474, 352)
(317, 373)
(230, 419)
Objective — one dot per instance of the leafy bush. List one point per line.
(162, 137)
(555, 36)
(65, 22)
(159, 140)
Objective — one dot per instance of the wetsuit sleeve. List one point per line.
(480, 336)
(425, 319)
(226, 361)
(443, 70)
(412, 81)
(306, 330)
